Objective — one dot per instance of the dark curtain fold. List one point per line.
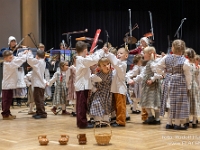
(61, 16)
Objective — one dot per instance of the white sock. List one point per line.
(98, 118)
(169, 120)
(177, 122)
(134, 105)
(149, 112)
(127, 115)
(106, 118)
(194, 120)
(63, 107)
(74, 108)
(113, 114)
(31, 107)
(157, 114)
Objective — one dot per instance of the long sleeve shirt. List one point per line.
(160, 66)
(119, 74)
(83, 72)
(38, 66)
(10, 72)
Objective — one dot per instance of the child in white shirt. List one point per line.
(38, 82)
(9, 81)
(83, 81)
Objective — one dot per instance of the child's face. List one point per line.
(105, 67)
(143, 43)
(13, 43)
(65, 67)
(8, 58)
(147, 56)
(122, 55)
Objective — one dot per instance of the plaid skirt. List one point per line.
(179, 102)
(60, 94)
(150, 96)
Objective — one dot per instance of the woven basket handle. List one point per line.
(100, 126)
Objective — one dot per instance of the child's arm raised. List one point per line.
(92, 59)
(18, 61)
(33, 62)
(119, 65)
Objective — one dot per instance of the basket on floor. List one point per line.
(103, 138)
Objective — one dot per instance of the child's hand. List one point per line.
(105, 49)
(149, 82)
(131, 82)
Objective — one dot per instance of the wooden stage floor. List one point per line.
(22, 134)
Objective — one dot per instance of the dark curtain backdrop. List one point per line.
(61, 16)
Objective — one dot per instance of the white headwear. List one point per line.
(145, 39)
(11, 38)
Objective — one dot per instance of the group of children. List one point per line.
(96, 85)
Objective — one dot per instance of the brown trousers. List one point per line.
(81, 108)
(7, 96)
(38, 94)
(120, 108)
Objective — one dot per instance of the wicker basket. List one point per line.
(103, 138)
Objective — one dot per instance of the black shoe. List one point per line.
(131, 108)
(34, 115)
(194, 125)
(187, 124)
(179, 127)
(116, 125)
(39, 116)
(128, 118)
(73, 114)
(89, 125)
(113, 118)
(154, 122)
(169, 126)
(196, 121)
(136, 112)
(91, 121)
(149, 120)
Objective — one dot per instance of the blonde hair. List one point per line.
(137, 58)
(151, 50)
(103, 60)
(178, 46)
(113, 50)
(62, 63)
(190, 54)
(197, 57)
(41, 45)
(125, 49)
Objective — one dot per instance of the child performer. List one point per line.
(151, 87)
(9, 81)
(101, 100)
(61, 88)
(38, 82)
(27, 79)
(71, 88)
(177, 83)
(83, 81)
(135, 90)
(194, 98)
(118, 87)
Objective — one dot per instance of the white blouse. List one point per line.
(160, 67)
